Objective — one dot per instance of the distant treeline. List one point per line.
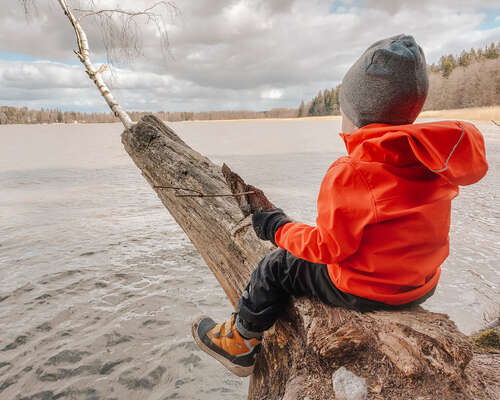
(477, 85)
(474, 81)
(448, 63)
(471, 79)
(23, 115)
(326, 102)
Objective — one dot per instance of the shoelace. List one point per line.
(223, 326)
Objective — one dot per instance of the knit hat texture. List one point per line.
(387, 84)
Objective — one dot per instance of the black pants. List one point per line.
(280, 275)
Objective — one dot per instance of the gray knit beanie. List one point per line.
(388, 84)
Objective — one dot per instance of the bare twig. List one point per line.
(120, 30)
(177, 188)
(200, 194)
(145, 12)
(496, 123)
(29, 6)
(216, 195)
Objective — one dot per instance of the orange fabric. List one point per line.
(227, 337)
(384, 211)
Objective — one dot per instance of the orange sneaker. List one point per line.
(225, 344)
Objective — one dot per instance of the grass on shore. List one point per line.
(473, 114)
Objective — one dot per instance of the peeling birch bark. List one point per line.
(94, 74)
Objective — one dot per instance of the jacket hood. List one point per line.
(451, 149)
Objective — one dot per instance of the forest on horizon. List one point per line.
(471, 79)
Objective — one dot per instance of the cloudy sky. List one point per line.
(225, 54)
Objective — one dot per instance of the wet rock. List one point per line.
(348, 386)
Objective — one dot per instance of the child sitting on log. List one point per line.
(383, 221)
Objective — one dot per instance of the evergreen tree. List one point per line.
(312, 108)
(328, 104)
(316, 105)
(320, 104)
(336, 99)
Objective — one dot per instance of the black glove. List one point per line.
(266, 223)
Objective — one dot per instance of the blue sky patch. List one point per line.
(492, 19)
(10, 56)
(340, 6)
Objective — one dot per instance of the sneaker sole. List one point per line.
(234, 368)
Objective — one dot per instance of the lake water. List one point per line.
(99, 285)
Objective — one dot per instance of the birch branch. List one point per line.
(94, 74)
(145, 12)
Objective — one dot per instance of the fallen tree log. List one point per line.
(412, 354)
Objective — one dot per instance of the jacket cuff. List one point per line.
(278, 220)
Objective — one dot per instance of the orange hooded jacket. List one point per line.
(384, 211)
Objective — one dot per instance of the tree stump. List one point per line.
(412, 354)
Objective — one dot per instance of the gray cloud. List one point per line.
(252, 54)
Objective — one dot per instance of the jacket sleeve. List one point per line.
(345, 207)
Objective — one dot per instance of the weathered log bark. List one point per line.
(403, 355)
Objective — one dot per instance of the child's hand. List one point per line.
(258, 201)
(266, 223)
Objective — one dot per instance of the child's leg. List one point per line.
(279, 275)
